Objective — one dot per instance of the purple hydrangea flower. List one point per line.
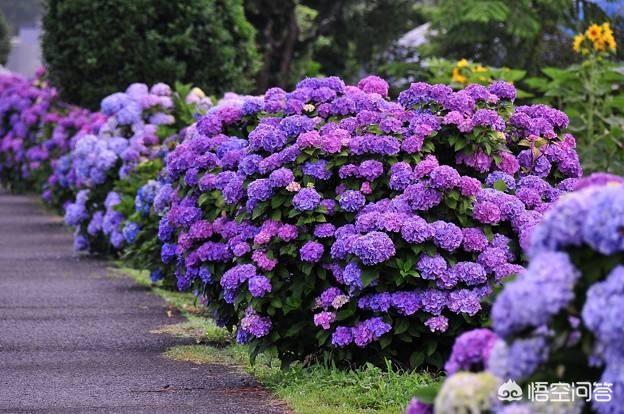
(306, 199)
(259, 286)
(373, 248)
(317, 169)
(437, 323)
(431, 267)
(471, 351)
(311, 251)
(352, 201)
(444, 177)
(256, 325)
(342, 336)
(281, 177)
(416, 230)
(547, 284)
(447, 236)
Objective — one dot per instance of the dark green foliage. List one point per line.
(301, 38)
(93, 48)
(5, 40)
(523, 34)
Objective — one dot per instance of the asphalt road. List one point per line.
(73, 339)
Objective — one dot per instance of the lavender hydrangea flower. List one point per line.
(370, 169)
(324, 319)
(306, 199)
(342, 336)
(447, 236)
(422, 198)
(444, 177)
(373, 248)
(259, 286)
(470, 273)
(471, 351)
(317, 169)
(605, 220)
(601, 310)
(281, 177)
(256, 325)
(474, 240)
(352, 277)
(498, 176)
(369, 330)
(260, 190)
(416, 230)
(548, 285)
(518, 360)
(431, 267)
(311, 252)
(324, 230)
(352, 201)
(437, 323)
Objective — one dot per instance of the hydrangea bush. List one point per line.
(151, 186)
(142, 125)
(36, 129)
(559, 321)
(328, 222)
(363, 228)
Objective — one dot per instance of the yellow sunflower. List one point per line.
(458, 77)
(462, 63)
(594, 32)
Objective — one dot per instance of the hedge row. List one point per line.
(328, 222)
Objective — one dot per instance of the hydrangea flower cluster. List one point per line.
(36, 130)
(107, 162)
(566, 306)
(373, 221)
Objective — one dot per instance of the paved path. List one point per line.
(73, 339)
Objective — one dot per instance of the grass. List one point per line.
(307, 390)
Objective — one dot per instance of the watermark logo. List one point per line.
(542, 392)
(509, 391)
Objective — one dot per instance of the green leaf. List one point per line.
(258, 211)
(385, 341)
(276, 215)
(500, 185)
(369, 275)
(416, 359)
(401, 326)
(427, 393)
(431, 347)
(294, 329)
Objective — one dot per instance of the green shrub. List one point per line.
(93, 48)
(5, 40)
(591, 92)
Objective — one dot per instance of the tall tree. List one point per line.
(299, 37)
(5, 40)
(95, 47)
